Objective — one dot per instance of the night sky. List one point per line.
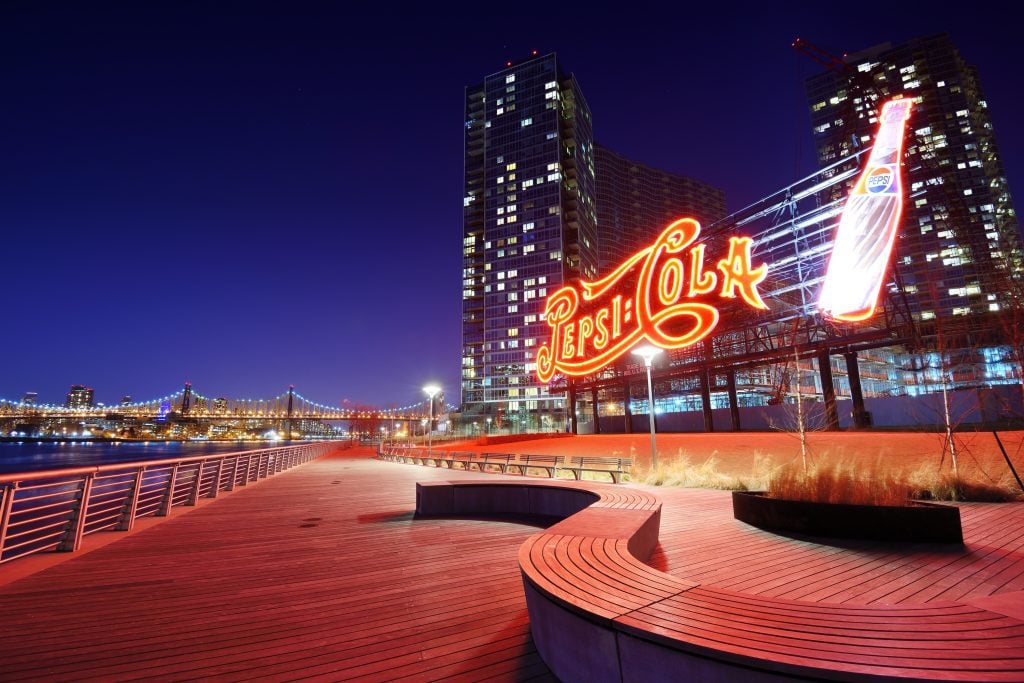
(250, 195)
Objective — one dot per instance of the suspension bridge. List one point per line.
(189, 403)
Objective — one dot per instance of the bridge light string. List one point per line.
(179, 394)
(99, 409)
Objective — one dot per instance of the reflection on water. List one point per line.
(31, 457)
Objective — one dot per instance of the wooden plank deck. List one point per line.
(322, 572)
(701, 541)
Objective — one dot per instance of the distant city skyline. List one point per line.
(247, 197)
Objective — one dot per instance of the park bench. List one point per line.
(598, 613)
(548, 463)
(615, 467)
(450, 458)
(415, 456)
(499, 460)
(393, 453)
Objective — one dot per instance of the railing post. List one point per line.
(132, 504)
(216, 479)
(193, 496)
(6, 501)
(234, 474)
(76, 525)
(248, 466)
(165, 508)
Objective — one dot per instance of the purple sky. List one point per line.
(250, 195)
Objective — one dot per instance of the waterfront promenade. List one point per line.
(322, 572)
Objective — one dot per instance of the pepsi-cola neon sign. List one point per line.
(664, 294)
(868, 226)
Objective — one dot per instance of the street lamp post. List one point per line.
(431, 390)
(648, 352)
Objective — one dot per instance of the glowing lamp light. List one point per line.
(431, 391)
(648, 353)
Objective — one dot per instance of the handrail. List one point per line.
(54, 509)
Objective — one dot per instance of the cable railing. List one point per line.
(53, 510)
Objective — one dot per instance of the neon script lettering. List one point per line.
(595, 324)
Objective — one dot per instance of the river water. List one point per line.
(24, 456)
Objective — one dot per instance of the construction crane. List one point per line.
(823, 57)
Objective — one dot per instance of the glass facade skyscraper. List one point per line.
(544, 206)
(636, 202)
(529, 225)
(959, 237)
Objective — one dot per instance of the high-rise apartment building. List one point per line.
(79, 397)
(959, 236)
(635, 202)
(544, 206)
(529, 226)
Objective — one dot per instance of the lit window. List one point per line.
(526, 122)
(511, 78)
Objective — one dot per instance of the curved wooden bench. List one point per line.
(598, 613)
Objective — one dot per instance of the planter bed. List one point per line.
(918, 522)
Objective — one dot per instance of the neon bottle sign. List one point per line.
(867, 228)
(671, 305)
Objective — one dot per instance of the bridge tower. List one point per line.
(186, 399)
(288, 421)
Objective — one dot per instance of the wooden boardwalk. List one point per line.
(702, 542)
(322, 572)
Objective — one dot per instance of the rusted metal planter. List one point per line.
(918, 522)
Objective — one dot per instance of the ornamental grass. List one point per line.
(683, 472)
(839, 483)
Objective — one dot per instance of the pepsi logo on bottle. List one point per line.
(880, 180)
